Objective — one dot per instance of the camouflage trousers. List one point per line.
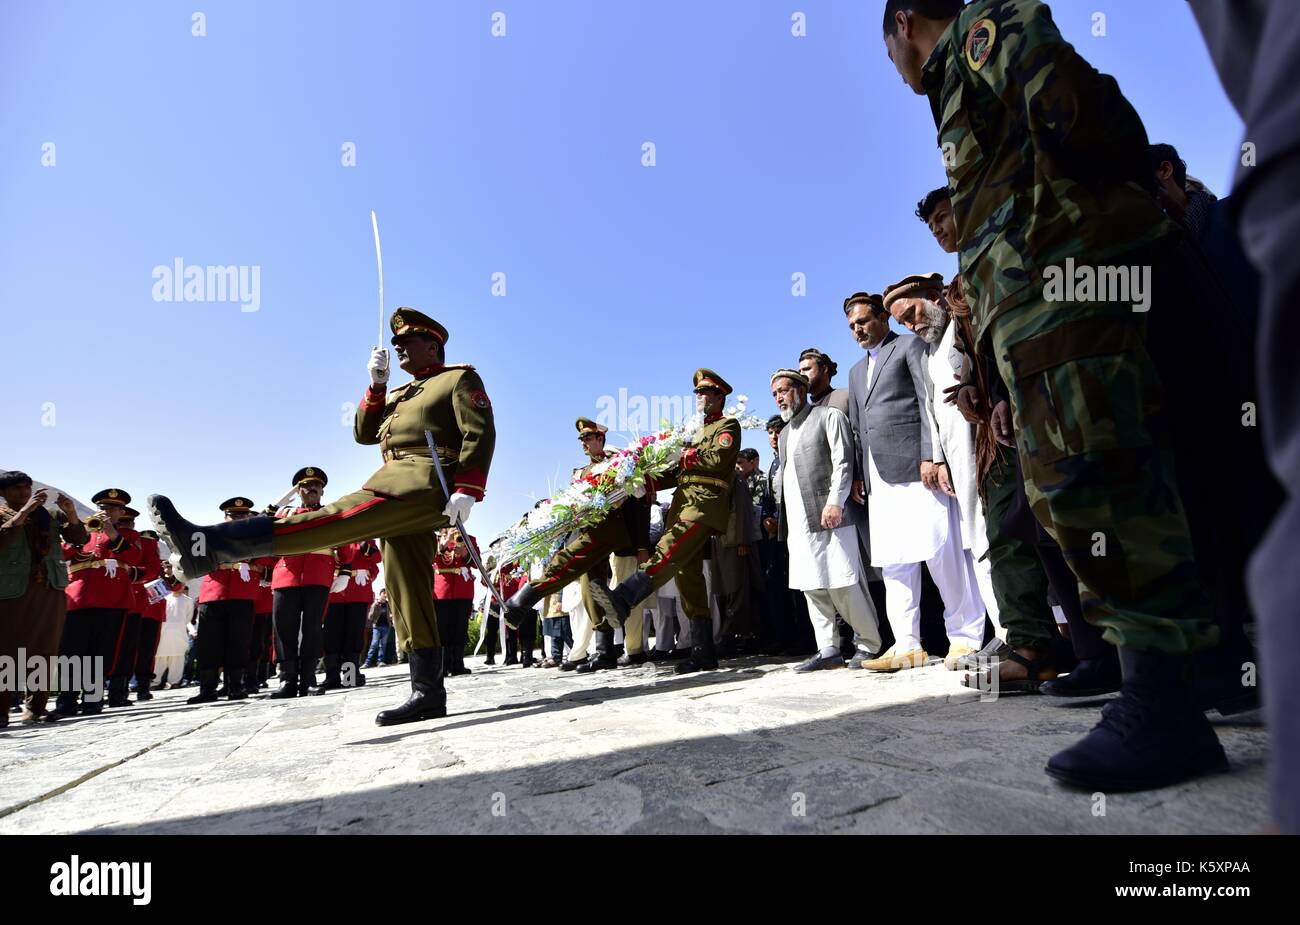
(1019, 582)
(1094, 446)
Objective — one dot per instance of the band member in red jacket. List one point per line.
(152, 617)
(147, 567)
(302, 584)
(345, 619)
(453, 598)
(99, 595)
(509, 580)
(226, 599)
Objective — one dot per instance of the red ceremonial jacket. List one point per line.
(365, 558)
(147, 569)
(89, 584)
(453, 574)
(311, 568)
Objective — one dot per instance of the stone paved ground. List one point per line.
(751, 748)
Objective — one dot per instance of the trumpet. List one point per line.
(96, 521)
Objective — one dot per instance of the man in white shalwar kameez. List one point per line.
(912, 520)
(813, 483)
(923, 311)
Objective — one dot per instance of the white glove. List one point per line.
(464, 573)
(362, 577)
(458, 507)
(378, 366)
(340, 584)
(264, 583)
(243, 571)
(110, 566)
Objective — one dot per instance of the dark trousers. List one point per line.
(453, 626)
(259, 646)
(91, 633)
(561, 633)
(787, 611)
(297, 614)
(150, 631)
(224, 630)
(128, 641)
(491, 629)
(343, 635)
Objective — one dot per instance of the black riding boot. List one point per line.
(1153, 735)
(235, 686)
(229, 541)
(428, 698)
(703, 657)
(519, 609)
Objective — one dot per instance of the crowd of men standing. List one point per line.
(1046, 454)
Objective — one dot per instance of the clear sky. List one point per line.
(520, 154)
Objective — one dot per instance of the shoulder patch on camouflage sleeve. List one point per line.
(979, 42)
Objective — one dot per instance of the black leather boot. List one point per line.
(207, 688)
(703, 657)
(520, 607)
(1154, 735)
(527, 639)
(288, 681)
(631, 591)
(333, 679)
(235, 686)
(428, 698)
(603, 657)
(228, 541)
(1091, 677)
(306, 676)
(251, 675)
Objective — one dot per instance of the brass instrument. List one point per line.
(96, 521)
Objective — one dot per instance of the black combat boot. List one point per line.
(1153, 735)
(306, 676)
(251, 675)
(428, 698)
(228, 541)
(603, 657)
(702, 657)
(207, 688)
(1091, 677)
(288, 681)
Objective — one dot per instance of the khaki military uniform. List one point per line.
(701, 508)
(402, 503)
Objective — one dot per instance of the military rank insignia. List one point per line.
(979, 43)
(479, 399)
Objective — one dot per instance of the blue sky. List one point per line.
(519, 155)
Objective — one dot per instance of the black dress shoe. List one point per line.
(659, 655)
(820, 663)
(143, 695)
(1154, 735)
(570, 666)
(635, 658)
(1091, 677)
(1225, 694)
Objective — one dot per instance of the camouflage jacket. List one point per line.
(1045, 157)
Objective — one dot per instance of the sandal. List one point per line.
(1033, 667)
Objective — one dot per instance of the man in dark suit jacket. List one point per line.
(912, 521)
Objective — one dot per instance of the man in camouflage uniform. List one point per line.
(624, 530)
(701, 508)
(403, 503)
(1047, 161)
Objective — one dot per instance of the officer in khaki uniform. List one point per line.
(586, 557)
(701, 508)
(402, 503)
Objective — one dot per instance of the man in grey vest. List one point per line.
(812, 485)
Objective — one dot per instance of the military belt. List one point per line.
(78, 566)
(703, 480)
(405, 451)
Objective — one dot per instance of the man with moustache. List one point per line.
(912, 520)
(402, 504)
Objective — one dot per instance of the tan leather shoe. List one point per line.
(951, 660)
(891, 661)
